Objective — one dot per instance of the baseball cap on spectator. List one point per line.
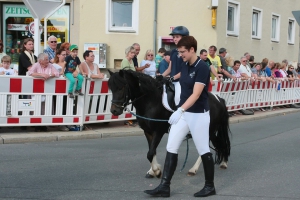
(167, 53)
(73, 47)
(222, 50)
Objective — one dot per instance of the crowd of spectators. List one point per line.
(52, 63)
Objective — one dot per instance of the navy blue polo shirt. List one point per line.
(197, 73)
(176, 63)
(135, 61)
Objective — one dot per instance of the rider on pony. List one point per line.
(176, 60)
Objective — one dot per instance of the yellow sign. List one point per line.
(56, 28)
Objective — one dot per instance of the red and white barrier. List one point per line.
(39, 95)
(259, 94)
(98, 102)
(297, 91)
(284, 94)
(234, 94)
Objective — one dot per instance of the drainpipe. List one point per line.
(155, 26)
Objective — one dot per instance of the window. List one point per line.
(256, 23)
(291, 31)
(233, 18)
(275, 28)
(123, 15)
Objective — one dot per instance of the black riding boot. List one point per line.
(209, 168)
(163, 189)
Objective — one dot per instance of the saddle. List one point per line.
(170, 91)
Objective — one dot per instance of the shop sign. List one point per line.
(56, 28)
(16, 10)
(17, 27)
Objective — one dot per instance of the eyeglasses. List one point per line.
(53, 41)
(63, 54)
(244, 60)
(291, 68)
(150, 55)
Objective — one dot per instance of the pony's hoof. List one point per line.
(158, 175)
(223, 166)
(149, 176)
(191, 174)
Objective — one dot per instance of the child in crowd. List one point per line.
(164, 64)
(5, 70)
(72, 61)
(159, 56)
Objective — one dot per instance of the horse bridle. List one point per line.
(125, 99)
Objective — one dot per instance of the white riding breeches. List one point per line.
(197, 124)
(177, 92)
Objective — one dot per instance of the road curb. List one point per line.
(116, 132)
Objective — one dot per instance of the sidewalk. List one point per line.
(14, 135)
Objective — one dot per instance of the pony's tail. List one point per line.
(222, 137)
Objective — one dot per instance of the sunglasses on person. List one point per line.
(244, 60)
(150, 55)
(53, 41)
(292, 68)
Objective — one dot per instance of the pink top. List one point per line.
(37, 68)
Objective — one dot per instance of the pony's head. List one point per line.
(130, 85)
(118, 87)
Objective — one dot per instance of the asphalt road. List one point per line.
(264, 165)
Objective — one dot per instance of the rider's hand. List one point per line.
(176, 116)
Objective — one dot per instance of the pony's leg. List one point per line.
(194, 169)
(156, 167)
(153, 141)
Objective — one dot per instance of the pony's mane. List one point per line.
(116, 82)
(146, 82)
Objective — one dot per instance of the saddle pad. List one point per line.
(165, 100)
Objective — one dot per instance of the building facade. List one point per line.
(262, 28)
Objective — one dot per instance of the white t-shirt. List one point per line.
(7, 71)
(245, 69)
(58, 67)
(151, 71)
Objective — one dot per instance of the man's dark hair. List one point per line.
(188, 42)
(86, 53)
(214, 47)
(235, 62)
(251, 58)
(162, 50)
(202, 51)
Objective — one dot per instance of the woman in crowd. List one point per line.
(258, 73)
(66, 46)
(275, 71)
(59, 61)
(290, 73)
(234, 71)
(127, 62)
(89, 67)
(27, 58)
(150, 62)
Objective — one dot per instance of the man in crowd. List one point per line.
(269, 68)
(135, 60)
(214, 59)
(51, 49)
